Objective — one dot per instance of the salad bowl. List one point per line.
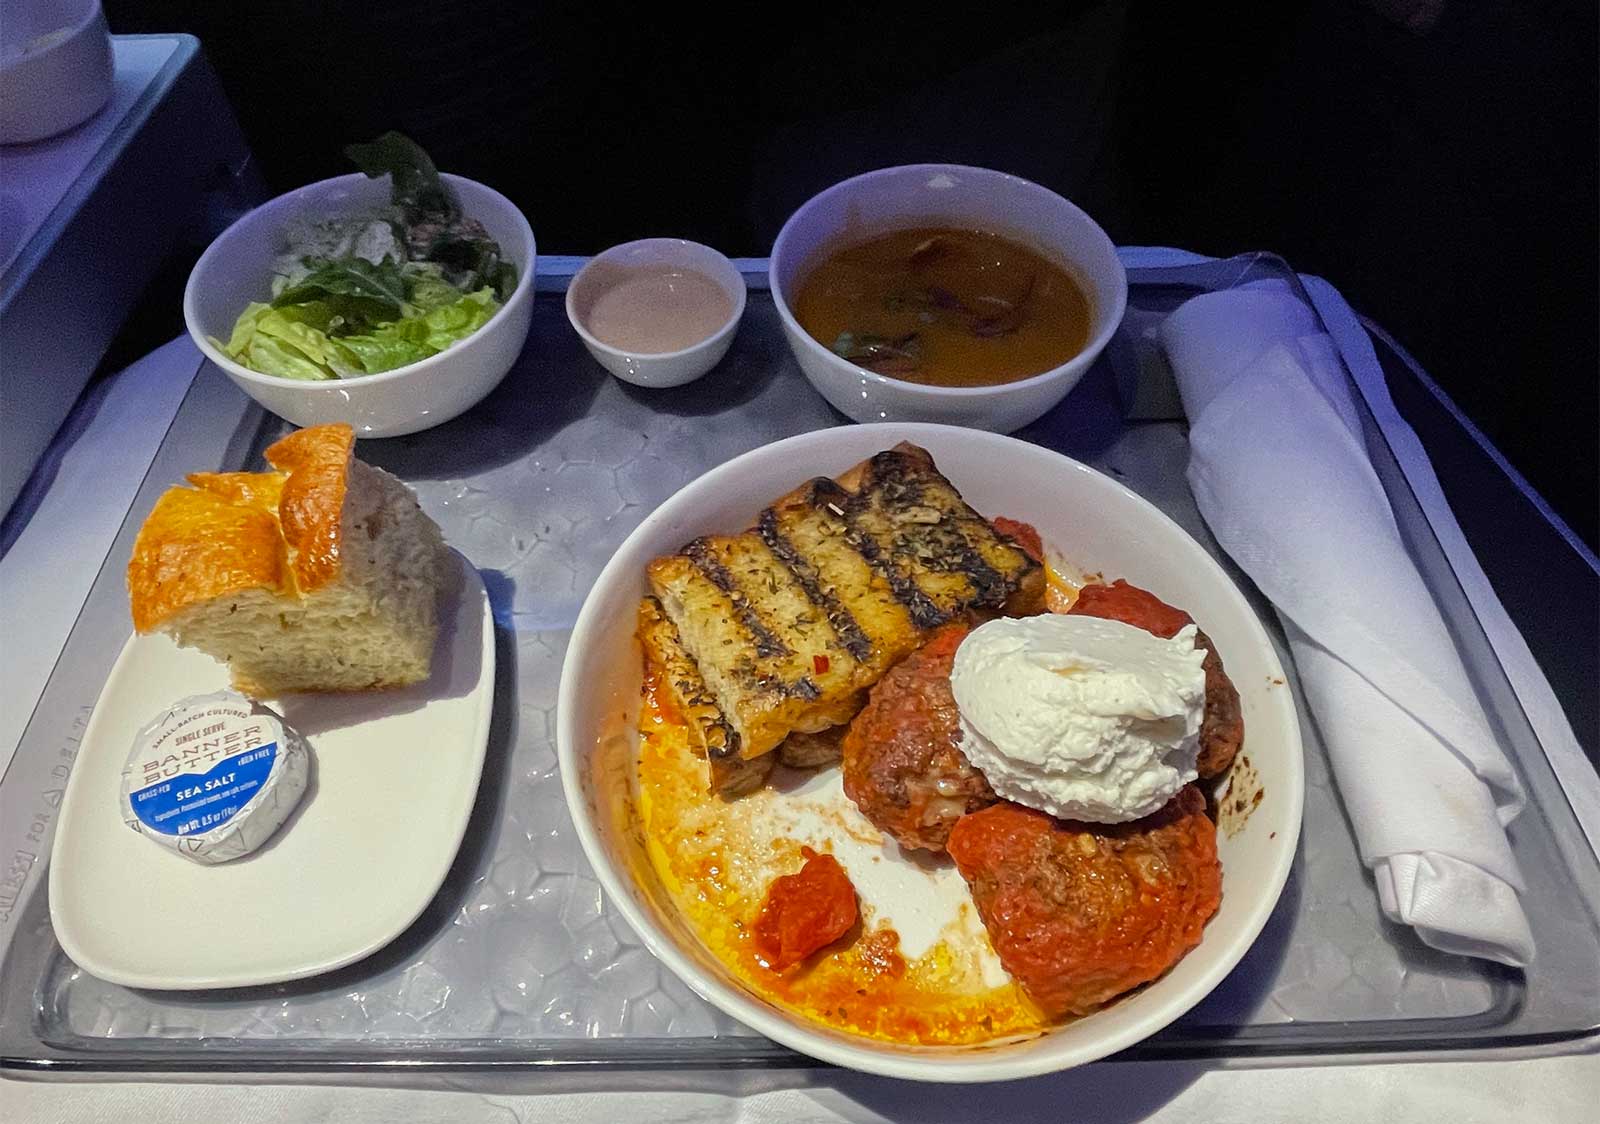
(237, 269)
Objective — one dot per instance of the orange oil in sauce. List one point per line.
(716, 862)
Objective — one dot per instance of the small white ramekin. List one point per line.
(666, 368)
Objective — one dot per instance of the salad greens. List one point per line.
(434, 227)
(360, 294)
(416, 184)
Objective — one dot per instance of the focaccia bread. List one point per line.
(322, 575)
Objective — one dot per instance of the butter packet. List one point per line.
(213, 777)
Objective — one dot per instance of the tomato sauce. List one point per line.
(805, 912)
(1129, 604)
(717, 861)
(1081, 913)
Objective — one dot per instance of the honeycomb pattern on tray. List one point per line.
(537, 487)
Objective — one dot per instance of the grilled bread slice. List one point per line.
(808, 530)
(942, 557)
(765, 650)
(713, 738)
(790, 623)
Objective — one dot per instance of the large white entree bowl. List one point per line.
(1092, 522)
(237, 269)
(946, 195)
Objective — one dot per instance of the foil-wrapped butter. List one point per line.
(213, 777)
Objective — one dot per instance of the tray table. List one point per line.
(519, 961)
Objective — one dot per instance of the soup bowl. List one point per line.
(945, 195)
(1096, 524)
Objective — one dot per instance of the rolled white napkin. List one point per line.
(1280, 471)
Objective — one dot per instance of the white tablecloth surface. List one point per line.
(1529, 1090)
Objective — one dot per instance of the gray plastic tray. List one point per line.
(520, 960)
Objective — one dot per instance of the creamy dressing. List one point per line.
(655, 309)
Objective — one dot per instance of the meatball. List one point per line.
(1080, 913)
(802, 750)
(903, 764)
(1222, 725)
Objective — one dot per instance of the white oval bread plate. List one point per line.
(394, 778)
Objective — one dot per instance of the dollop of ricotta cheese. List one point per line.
(1083, 718)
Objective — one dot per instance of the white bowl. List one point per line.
(55, 67)
(949, 195)
(1096, 523)
(659, 368)
(237, 269)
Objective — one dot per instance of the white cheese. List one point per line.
(213, 777)
(1083, 718)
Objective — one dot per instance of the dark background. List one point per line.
(1442, 174)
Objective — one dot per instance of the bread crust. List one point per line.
(317, 461)
(233, 531)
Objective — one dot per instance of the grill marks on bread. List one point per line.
(809, 530)
(711, 734)
(707, 555)
(914, 526)
(788, 624)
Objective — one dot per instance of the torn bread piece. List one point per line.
(322, 574)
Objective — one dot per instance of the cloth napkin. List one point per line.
(1280, 470)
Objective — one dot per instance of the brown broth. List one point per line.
(945, 307)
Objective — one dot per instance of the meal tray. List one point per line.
(520, 961)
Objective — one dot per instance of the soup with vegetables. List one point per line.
(945, 307)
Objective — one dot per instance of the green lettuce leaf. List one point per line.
(434, 227)
(289, 342)
(426, 287)
(308, 340)
(370, 292)
(278, 357)
(505, 280)
(311, 341)
(459, 320)
(415, 184)
(392, 345)
(406, 341)
(244, 329)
